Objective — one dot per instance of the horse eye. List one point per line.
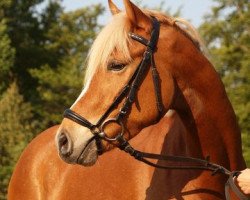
(114, 66)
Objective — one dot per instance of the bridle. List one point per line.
(129, 94)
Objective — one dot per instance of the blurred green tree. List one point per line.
(7, 55)
(23, 28)
(69, 39)
(227, 32)
(16, 129)
(50, 45)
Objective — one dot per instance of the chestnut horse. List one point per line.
(203, 122)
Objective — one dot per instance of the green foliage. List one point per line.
(227, 33)
(7, 54)
(27, 29)
(57, 88)
(53, 40)
(15, 132)
(69, 40)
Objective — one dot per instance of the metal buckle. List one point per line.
(104, 136)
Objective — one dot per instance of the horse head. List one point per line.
(113, 62)
(139, 67)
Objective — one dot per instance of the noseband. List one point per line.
(129, 93)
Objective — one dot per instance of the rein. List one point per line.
(129, 93)
(203, 164)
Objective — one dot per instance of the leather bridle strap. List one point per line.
(197, 164)
(148, 58)
(151, 44)
(142, 156)
(77, 118)
(231, 184)
(156, 81)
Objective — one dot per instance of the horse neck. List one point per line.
(205, 110)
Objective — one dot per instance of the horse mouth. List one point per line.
(89, 154)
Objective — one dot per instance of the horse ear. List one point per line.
(136, 16)
(113, 8)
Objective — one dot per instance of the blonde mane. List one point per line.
(192, 33)
(114, 36)
(184, 26)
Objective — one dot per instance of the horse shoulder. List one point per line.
(27, 181)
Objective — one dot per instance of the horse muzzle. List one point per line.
(84, 154)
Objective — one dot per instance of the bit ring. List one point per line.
(104, 136)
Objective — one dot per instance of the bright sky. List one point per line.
(192, 10)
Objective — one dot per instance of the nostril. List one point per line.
(63, 140)
(64, 145)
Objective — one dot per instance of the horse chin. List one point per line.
(89, 155)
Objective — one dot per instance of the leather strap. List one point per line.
(156, 81)
(197, 164)
(231, 184)
(77, 118)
